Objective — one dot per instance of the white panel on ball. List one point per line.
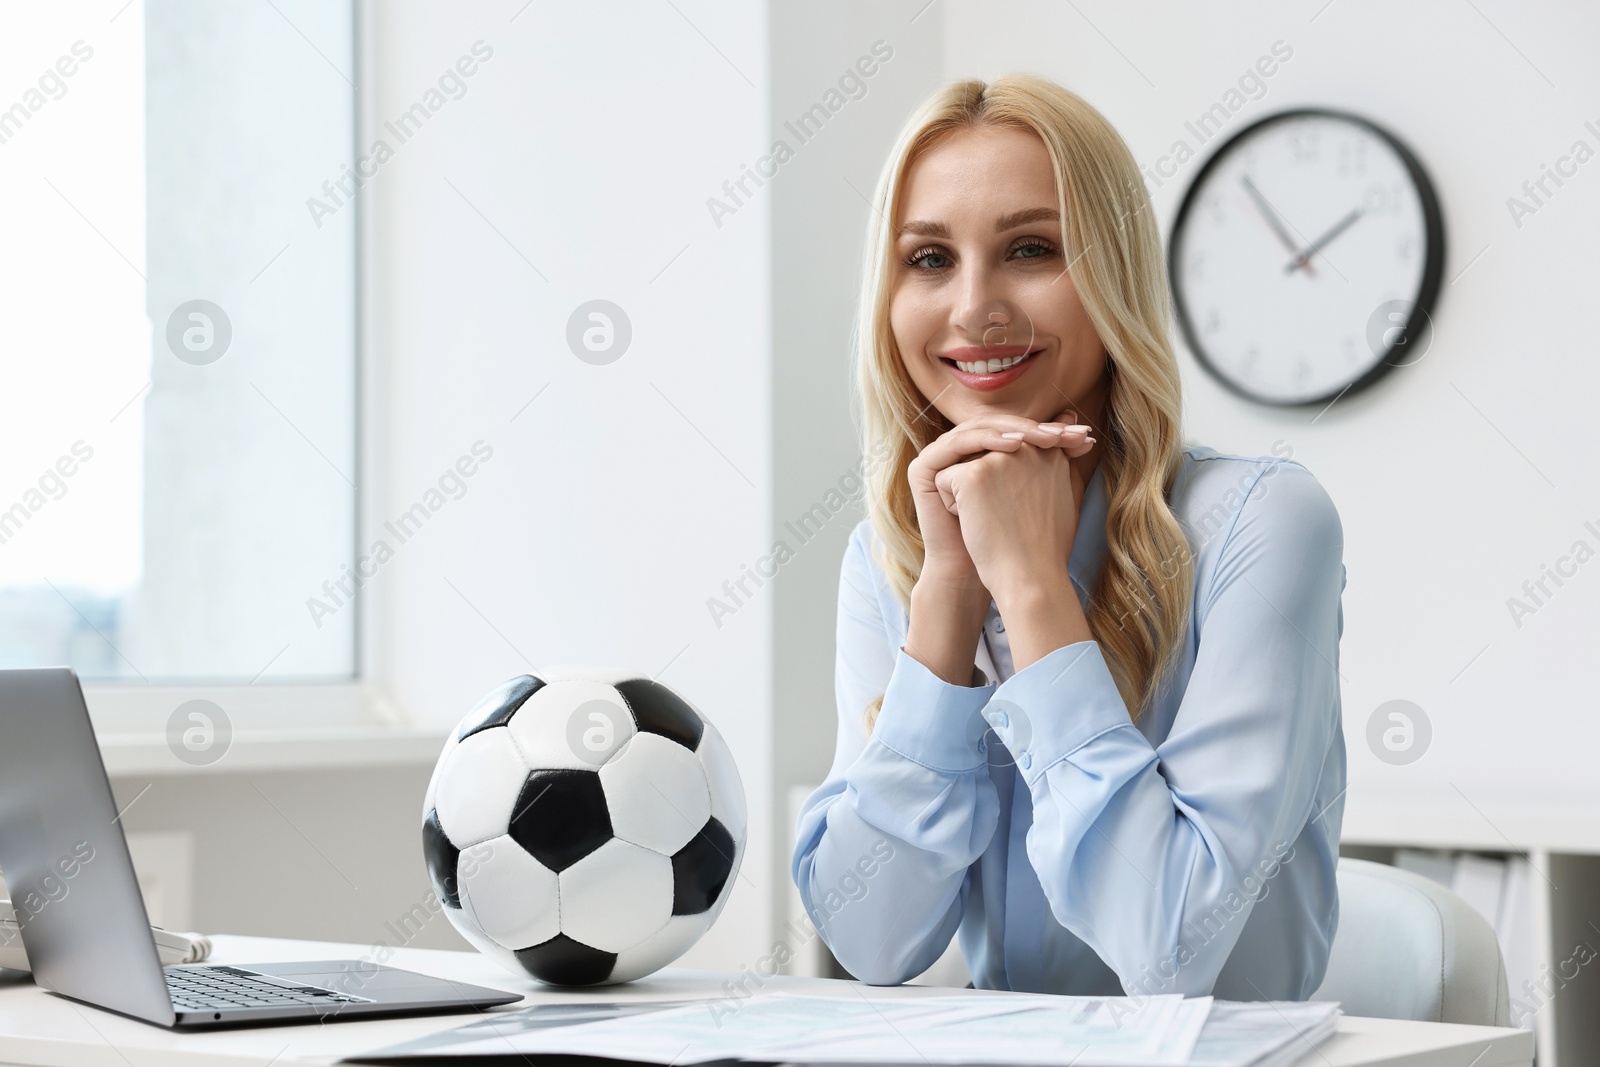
(450, 744)
(656, 793)
(510, 895)
(479, 781)
(616, 896)
(727, 791)
(575, 724)
(662, 947)
(484, 944)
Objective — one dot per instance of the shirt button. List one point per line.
(999, 719)
(1025, 761)
(999, 626)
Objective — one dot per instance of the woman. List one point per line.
(1087, 676)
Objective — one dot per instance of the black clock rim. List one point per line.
(1423, 304)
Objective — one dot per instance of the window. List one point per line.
(178, 427)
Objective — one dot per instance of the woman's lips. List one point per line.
(989, 380)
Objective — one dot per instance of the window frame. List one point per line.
(126, 712)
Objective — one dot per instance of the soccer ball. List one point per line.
(584, 826)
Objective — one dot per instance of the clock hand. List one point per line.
(1268, 213)
(1303, 259)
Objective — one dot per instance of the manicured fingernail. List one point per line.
(1089, 440)
(1013, 436)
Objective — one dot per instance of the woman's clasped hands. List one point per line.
(997, 501)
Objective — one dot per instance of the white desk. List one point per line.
(37, 1028)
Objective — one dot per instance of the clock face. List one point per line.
(1306, 257)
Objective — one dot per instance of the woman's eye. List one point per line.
(1032, 250)
(932, 259)
(916, 259)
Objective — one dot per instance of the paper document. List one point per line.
(500, 1027)
(1043, 1031)
(1023, 1029)
(1263, 1034)
(714, 1029)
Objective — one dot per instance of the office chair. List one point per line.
(1409, 948)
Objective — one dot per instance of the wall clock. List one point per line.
(1306, 257)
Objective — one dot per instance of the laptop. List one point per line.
(82, 916)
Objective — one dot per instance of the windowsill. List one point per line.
(129, 755)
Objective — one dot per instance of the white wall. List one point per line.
(1455, 478)
(577, 167)
(326, 854)
(819, 217)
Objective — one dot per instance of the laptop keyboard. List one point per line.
(217, 988)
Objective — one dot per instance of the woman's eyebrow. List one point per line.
(925, 228)
(1027, 215)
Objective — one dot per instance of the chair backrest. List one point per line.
(1409, 948)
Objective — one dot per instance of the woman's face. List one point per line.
(980, 279)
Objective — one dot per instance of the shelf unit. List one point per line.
(1560, 838)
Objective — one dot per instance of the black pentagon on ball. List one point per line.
(701, 868)
(441, 857)
(561, 816)
(497, 708)
(658, 710)
(563, 961)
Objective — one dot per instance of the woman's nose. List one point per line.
(975, 297)
(989, 318)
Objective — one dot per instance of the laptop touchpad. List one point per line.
(359, 978)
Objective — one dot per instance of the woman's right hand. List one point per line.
(949, 601)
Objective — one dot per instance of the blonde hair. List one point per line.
(1140, 603)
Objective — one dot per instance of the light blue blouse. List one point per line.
(1075, 851)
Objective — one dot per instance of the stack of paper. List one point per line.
(1263, 1034)
(943, 1029)
(1028, 1030)
(1269, 1034)
(1035, 1030)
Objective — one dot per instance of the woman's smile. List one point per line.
(990, 366)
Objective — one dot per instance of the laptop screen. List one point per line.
(63, 854)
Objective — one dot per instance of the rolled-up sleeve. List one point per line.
(883, 845)
(1133, 843)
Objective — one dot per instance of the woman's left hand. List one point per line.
(1019, 514)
